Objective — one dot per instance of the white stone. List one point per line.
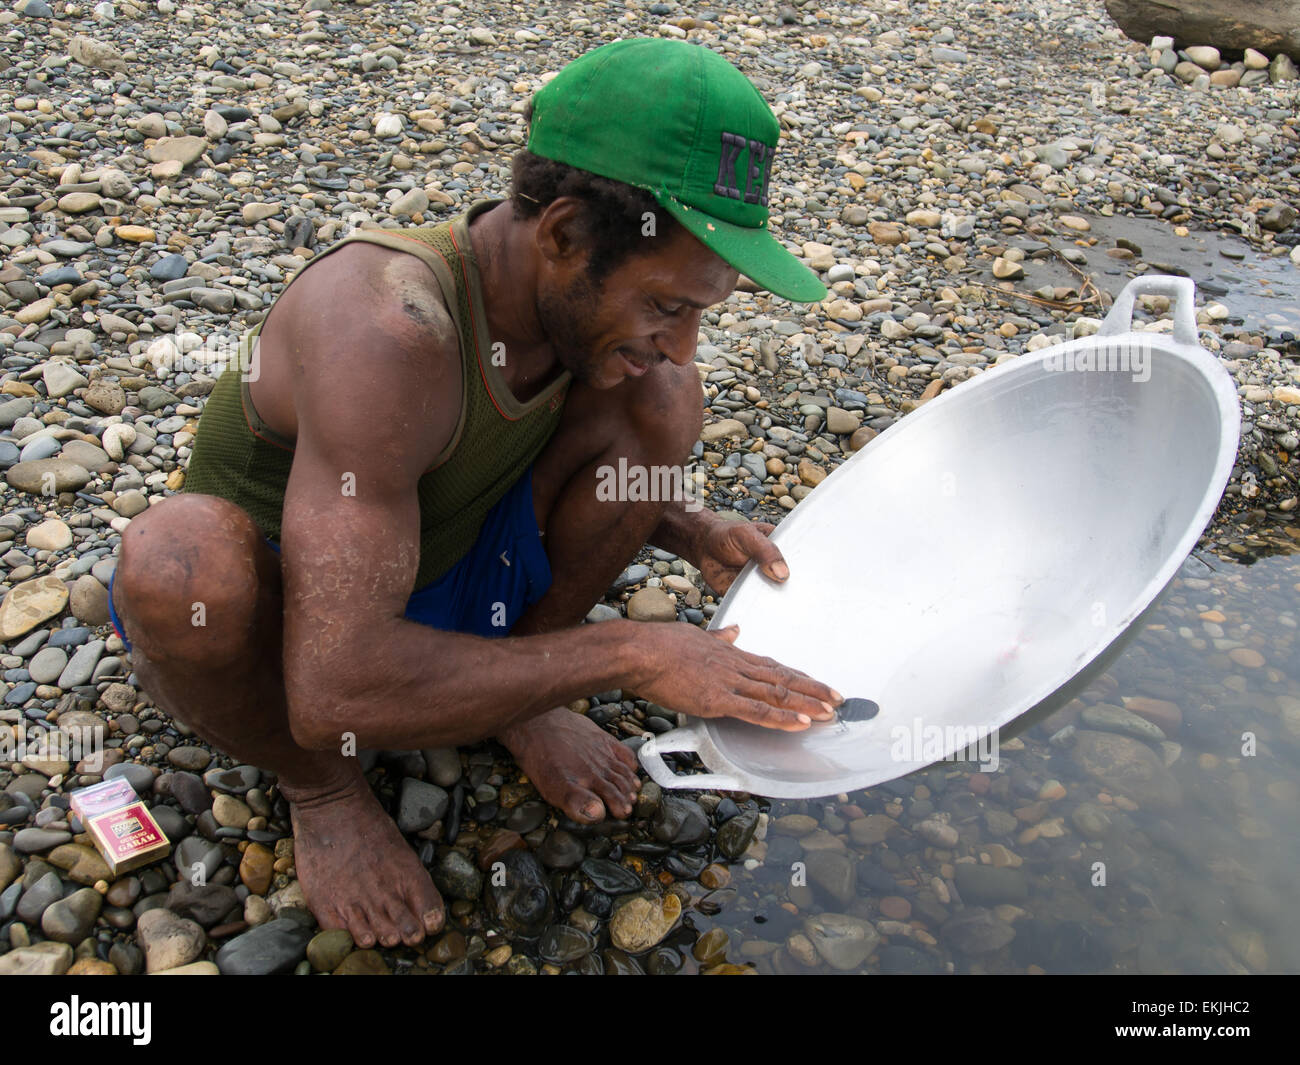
(117, 438)
(257, 212)
(60, 379)
(214, 125)
(415, 201)
(1228, 133)
(819, 256)
(50, 535)
(388, 124)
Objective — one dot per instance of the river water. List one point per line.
(1099, 845)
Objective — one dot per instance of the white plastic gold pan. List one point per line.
(976, 556)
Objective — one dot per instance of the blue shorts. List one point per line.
(488, 590)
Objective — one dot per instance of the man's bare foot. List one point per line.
(356, 870)
(575, 765)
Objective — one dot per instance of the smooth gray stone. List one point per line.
(171, 821)
(274, 947)
(195, 850)
(9, 899)
(47, 664)
(71, 920)
(36, 840)
(39, 897)
(31, 644)
(81, 665)
(420, 805)
(140, 777)
(43, 447)
(14, 409)
(234, 781)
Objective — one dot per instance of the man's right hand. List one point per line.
(691, 673)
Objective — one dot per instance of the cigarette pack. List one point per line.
(102, 797)
(122, 828)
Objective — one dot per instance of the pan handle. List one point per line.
(680, 739)
(1180, 290)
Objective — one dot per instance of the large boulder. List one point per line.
(1268, 26)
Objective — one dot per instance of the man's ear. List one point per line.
(561, 236)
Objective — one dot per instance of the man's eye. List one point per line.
(664, 310)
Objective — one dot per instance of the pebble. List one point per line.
(47, 664)
(168, 941)
(643, 922)
(442, 766)
(976, 931)
(327, 949)
(40, 959)
(1126, 765)
(841, 941)
(71, 919)
(680, 822)
(561, 945)
(205, 904)
(457, 877)
(39, 897)
(82, 664)
(274, 947)
(990, 885)
(420, 805)
(521, 899)
(36, 840)
(651, 604)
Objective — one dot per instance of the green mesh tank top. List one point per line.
(240, 458)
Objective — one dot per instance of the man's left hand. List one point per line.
(726, 546)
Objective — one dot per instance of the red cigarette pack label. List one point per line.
(128, 837)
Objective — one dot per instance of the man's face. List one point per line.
(644, 311)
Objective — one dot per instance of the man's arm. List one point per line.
(376, 401)
(681, 531)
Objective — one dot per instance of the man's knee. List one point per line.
(188, 580)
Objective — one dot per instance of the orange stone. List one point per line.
(501, 842)
(256, 868)
(1247, 657)
(1160, 712)
(895, 908)
(135, 234)
(1212, 615)
(886, 233)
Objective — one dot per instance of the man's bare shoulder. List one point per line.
(364, 339)
(369, 287)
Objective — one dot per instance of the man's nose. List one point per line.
(679, 341)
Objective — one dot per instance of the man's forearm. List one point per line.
(681, 531)
(415, 687)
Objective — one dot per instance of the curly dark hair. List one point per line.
(612, 219)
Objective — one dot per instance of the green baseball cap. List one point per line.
(681, 122)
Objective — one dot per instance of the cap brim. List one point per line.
(754, 252)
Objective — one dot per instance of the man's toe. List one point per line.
(404, 921)
(584, 805)
(426, 905)
(359, 925)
